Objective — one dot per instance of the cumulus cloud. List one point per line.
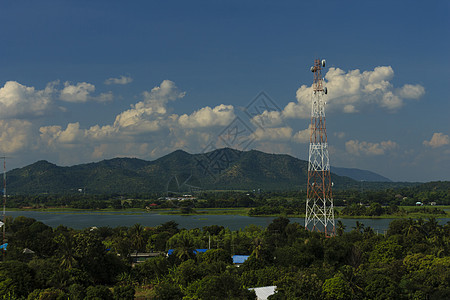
(410, 91)
(120, 80)
(365, 148)
(220, 115)
(268, 119)
(14, 135)
(76, 93)
(302, 136)
(151, 113)
(20, 101)
(81, 92)
(55, 134)
(352, 91)
(273, 134)
(437, 140)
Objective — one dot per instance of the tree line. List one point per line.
(354, 202)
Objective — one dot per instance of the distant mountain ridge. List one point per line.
(177, 172)
(359, 175)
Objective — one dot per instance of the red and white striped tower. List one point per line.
(319, 201)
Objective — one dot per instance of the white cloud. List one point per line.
(303, 136)
(352, 91)
(273, 134)
(56, 135)
(150, 114)
(76, 93)
(15, 135)
(81, 92)
(220, 115)
(268, 119)
(409, 91)
(145, 120)
(120, 80)
(437, 140)
(20, 101)
(365, 148)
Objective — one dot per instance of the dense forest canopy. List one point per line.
(411, 261)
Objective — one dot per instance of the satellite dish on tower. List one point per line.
(312, 69)
(323, 63)
(325, 90)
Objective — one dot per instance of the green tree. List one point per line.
(216, 255)
(124, 292)
(98, 292)
(168, 291)
(137, 236)
(340, 228)
(16, 278)
(298, 286)
(65, 250)
(386, 251)
(76, 292)
(336, 288)
(222, 286)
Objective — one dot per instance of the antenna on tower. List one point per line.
(319, 200)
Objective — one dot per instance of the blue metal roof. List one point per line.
(240, 259)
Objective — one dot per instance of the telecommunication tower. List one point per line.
(319, 200)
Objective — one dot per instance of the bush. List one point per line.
(98, 292)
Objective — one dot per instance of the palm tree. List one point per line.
(359, 227)
(340, 228)
(66, 250)
(137, 236)
(258, 243)
(185, 248)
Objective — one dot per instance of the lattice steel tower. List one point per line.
(319, 200)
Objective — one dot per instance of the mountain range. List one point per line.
(178, 172)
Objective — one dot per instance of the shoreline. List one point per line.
(221, 211)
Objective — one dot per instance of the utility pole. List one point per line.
(319, 201)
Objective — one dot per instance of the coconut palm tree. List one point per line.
(66, 250)
(340, 228)
(137, 236)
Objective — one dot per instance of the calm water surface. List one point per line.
(83, 219)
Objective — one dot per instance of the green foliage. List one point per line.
(98, 292)
(222, 286)
(124, 292)
(386, 251)
(336, 288)
(151, 270)
(16, 278)
(296, 285)
(76, 292)
(216, 255)
(410, 262)
(168, 291)
(47, 294)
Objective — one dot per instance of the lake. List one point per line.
(84, 219)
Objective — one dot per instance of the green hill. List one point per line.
(177, 172)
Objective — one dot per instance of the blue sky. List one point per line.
(82, 81)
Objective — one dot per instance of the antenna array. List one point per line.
(319, 200)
